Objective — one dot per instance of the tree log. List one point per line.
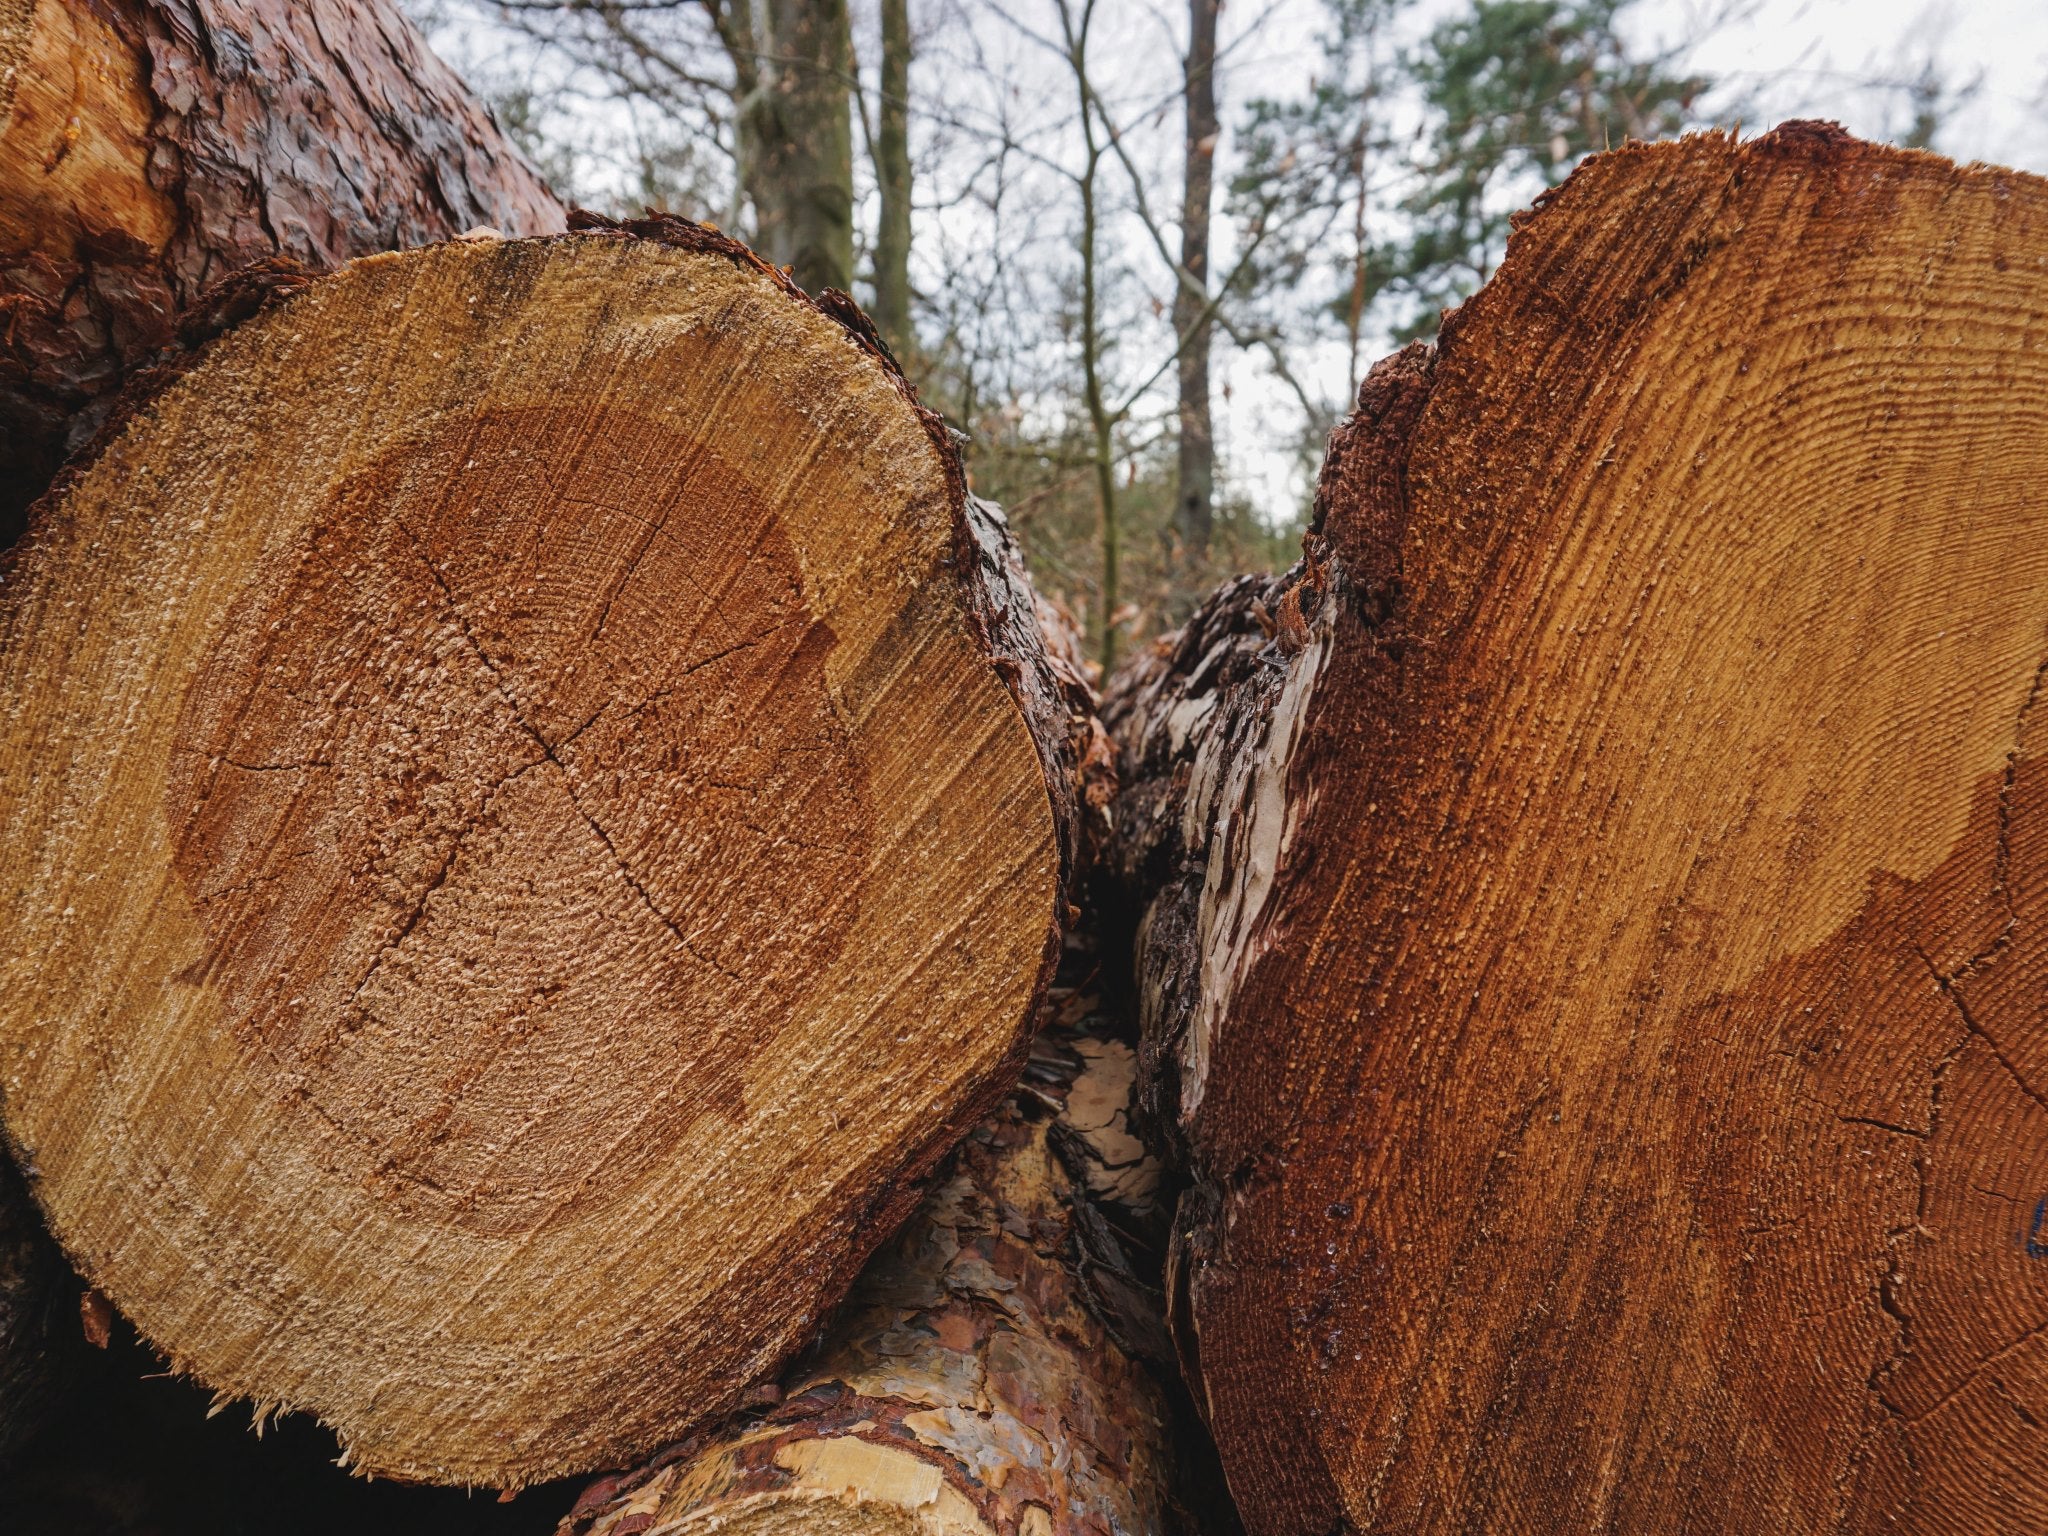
(803, 187)
(535, 810)
(149, 148)
(986, 1377)
(1595, 906)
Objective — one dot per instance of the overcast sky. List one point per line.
(1784, 58)
(1812, 56)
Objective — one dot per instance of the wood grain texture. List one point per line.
(1601, 946)
(535, 810)
(150, 148)
(986, 1377)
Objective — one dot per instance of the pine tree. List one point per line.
(1517, 92)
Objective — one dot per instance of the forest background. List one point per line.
(1140, 254)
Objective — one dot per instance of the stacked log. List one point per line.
(536, 810)
(1591, 950)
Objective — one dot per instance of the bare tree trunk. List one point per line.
(804, 186)
(149, 148)
(892, 172)
(1193, 507)
(989, 1375)
(733, 21)
(1101, 421)
(1361, 268)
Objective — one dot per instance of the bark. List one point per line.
(150, 148)
(1594, 903)
(987, 1376)
(1181, 712)
(39, 1329)
(804, 189)
(1193, 514)
(892, 174)
(536, 811)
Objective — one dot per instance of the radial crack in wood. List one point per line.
(535, 810)
(1596, 932)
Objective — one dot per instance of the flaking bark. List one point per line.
(1180, 711)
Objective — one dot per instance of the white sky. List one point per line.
(1811, 55)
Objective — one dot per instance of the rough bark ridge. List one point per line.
(1597, 923)
(986, 1377)
(1182, 712)
(511, 898)
(150, 148)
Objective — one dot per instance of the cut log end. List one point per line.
(1601, 943)
(520, 846)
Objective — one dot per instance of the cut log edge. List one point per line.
(993, 1371)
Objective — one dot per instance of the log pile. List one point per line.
(540, 821)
